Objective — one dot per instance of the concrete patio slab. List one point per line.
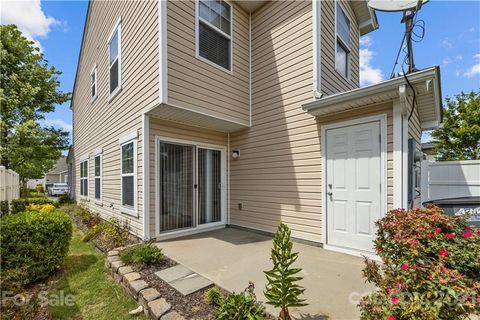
(232, 257)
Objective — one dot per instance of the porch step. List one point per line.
(183, 279)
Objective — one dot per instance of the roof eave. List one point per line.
(383, 91)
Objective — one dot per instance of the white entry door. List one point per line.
(353, 190)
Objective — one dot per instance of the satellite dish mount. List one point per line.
(409, 9)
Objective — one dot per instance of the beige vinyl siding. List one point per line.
(197, 85)
(277, 177)
(100, 124)
(332, 81)
(166, 129)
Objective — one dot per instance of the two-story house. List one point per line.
(197, 114)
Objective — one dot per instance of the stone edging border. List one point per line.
(154, 306)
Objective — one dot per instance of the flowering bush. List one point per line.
(430, 270)
(42, 208)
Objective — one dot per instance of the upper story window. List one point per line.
(115, 60)
(342, 39)
(93, 82)
(214, 32)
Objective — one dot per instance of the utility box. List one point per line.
(464, 205)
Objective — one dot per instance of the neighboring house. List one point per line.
(427, 148)
(193, 115)
(58, 174)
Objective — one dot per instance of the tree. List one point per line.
(33, 150)
(282, 291)
(28, 90)
(459, 136)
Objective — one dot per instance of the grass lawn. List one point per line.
(96, 295)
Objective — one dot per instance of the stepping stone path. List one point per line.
(183, 279)
(154, 306)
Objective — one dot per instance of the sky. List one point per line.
(451, 40)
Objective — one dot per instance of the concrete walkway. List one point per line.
(231, 257)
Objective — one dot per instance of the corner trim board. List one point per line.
(146, 175)
(162, 52)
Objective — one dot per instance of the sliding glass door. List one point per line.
(190, 186)
(209, 186)
(176, 186)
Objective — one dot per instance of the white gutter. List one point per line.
(379, 88)
(250, 68)
(146, 175)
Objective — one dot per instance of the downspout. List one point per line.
(249, 68)
(228, 179)
(317, 48)
(146, 175)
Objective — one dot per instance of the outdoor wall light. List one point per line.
(235, 154)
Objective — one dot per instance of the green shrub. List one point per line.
(282, 290)
(213, 296)
(37, 195)
(65, 199)
(145, 254)
(242, 306)
(20, 205)
(115, 233)
(37, 242)
(39, 188)
(430, 267)
(4, 208)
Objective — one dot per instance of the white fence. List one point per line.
(450, 179)
(9, 184)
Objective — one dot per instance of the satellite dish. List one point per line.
(396, 5)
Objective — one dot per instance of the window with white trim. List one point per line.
(128, 173)
(84, 178)
(342, 40)
(215, 32)
(93, 82)
(98, 177)
(114, 60)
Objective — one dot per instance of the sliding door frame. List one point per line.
(197, 227)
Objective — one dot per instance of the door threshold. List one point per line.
(188, 232)
(352, 252)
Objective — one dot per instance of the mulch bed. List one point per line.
(192, 306)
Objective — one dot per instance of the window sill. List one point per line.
(114, 94)
(93, 99)
(214, 65)
(98, 202)
(129, 211)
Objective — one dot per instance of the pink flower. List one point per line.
(478, 300)
(430, 277)
(430, 234)
(390, 317)
(458, 216)
(404, 266)
(394, 301)
(449, 235)
(443, 253)
(378, 249)
(438, 230)
(413, 242)
(466, 234)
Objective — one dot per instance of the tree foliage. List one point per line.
(459, 136)
(282, 289)
(32, 150)
(29, 88)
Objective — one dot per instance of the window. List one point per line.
(128, 175)
(84, 178)
(114, 59)
(93, 82)
(98, 177)
(214, 32)
(342, 55)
